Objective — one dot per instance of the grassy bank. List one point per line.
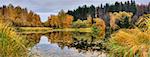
(129, 43)
(27, 30)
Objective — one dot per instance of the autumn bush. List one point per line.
(100, 25)
(144, 22)
(11, 44)
(95, 31)
(129, 43)
(120, 20)
(79, 24)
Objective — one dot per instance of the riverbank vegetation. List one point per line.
(131, 42)
(11, 44)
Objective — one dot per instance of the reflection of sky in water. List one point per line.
(46, 49)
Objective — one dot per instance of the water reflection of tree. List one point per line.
(62, 38)
(82, 41)
(32, 39)
(86, 37)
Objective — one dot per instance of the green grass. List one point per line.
(33, 29)
(28, 30)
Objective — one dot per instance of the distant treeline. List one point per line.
(102, 10)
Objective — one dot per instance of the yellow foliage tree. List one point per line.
(78, 23)
(62, 20)
(114, 17)
(54, 21)
(89, 21)
(68, 21)
(19, 16)
(100, 24)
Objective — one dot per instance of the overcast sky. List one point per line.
(47, 7)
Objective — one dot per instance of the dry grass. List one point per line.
(34, 28)
(47, 29)
(11, 44)
(129, 43)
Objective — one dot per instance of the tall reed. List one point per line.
(129, 43)
(11, 43)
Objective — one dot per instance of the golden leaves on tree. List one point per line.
(62, 20)
(19, 16)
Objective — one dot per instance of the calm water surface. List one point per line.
(64, 44)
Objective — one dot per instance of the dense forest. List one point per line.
(102, 10)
